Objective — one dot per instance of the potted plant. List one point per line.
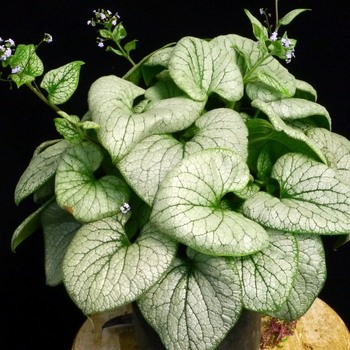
(197, 185)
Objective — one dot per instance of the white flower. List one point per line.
(286, 42)
(109, 12)
(88, 22)
(102, 16)
(101, 44)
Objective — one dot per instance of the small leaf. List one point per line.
(41, 168)
(195, 304)
(59, 228)
(312, 199)
(116, 51)
(187, 208)
(200, 68)
(27, 227)
(290, 16)
(30, 64)
(267, 277)
(88, 198)
(102, 270)
(67, 130)
(131, 45)
(61, 83)
(260, 32)
(309, 280)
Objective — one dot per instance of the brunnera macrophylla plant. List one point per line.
(198, 184)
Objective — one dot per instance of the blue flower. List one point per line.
(10, 41)
(48, 38)
(125, 208)
(273, 37)
(289, 55)
(286, 42)
(16, 70)
(101, 44)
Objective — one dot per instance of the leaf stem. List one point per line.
(125, 54)
(257, 64)
(42, 97)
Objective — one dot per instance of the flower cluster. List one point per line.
(125, 208)
(103, 17)
(6, 48)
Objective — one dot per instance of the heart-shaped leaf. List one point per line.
(268, 276)
(309, 280)
(61, 83)
(147, 164)
(59, 228)
(29, 62)
(196, 304)
(111, 105)
(80, 193)
(312, 199)
(102, 270)
(187, 205)
(212, 71)
(41, 168)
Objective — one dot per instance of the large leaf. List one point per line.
(312, 199)
(59, 228)
(41, 168)
(187, 205)
(102, 270)
(79, 192)
(147, 164)
(290, 109)
(268, 276)
(111, 104)
(61, 83)
(270, 81)
(195, 304)
(200, 68)
(292, 137)
(309, 280)
(336, 149)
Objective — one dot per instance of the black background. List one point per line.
(35, 316)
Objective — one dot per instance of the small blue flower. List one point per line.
(261, 11)
(273, 37)
(114, 22)
(125, 208)
(48, 38)
(102, 16)
(286, 42)
(10, 41)
(16, 70)
(101, 44)
(289, 55)
(7, 52)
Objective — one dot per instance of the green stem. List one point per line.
(257, 64)
(125, 54)
(276, 10)
(42, 97)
